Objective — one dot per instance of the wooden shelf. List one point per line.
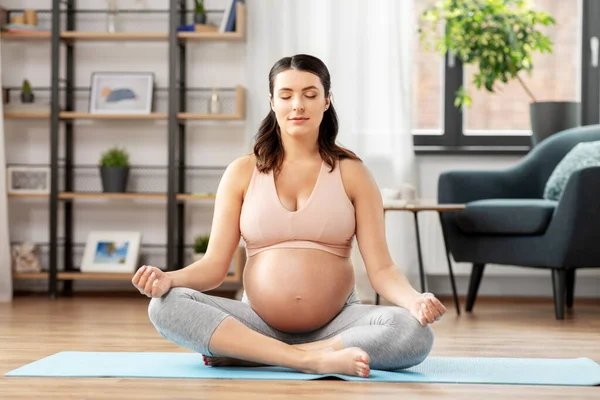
(34, 195)
(95, 276)
(26, 115)
(238, 35)
(198, 36)
(117, 36)
(209, 116)
(184, 197)
(240, 109)
(33, 35)
(112, 196)
(86, 115)
(31, 275)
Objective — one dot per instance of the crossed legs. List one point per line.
(360, 337)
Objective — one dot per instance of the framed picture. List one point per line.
(122, 93)
(111, 252)
(28, 180)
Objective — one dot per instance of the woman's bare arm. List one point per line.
(209, 272)
(385, 277)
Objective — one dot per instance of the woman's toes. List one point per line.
(363, 371)
(363, 357)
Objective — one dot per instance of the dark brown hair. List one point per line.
(268, 147)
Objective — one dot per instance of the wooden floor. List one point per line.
(35, 327)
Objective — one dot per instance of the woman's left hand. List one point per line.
(426, 308)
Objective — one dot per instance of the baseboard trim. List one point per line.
(533, 287)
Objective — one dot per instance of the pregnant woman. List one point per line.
(297, 201)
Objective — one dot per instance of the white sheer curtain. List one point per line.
(367, 47)
(5, 258)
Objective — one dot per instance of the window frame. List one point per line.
(590, 78)
(453, 139)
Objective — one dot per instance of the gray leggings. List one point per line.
(390, 335)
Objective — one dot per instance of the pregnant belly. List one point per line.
(297, 290)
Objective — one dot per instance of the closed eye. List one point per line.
(289, 97)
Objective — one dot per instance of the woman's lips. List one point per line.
(298, 120)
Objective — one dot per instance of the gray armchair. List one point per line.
(507, 221)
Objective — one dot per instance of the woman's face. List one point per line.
(299, 102)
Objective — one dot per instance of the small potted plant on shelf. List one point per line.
(27, 95)
(200, 246)
(114, 170)
(199, 12)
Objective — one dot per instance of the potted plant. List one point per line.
(499, 38)
(200, 246)
(114, 170)
(27, 95)
(199, 12)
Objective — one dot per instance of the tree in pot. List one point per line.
(499, 37)
(114, 170)
(200, 246)
(199, 12)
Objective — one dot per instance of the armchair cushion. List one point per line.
(506, 216)
(583, 155)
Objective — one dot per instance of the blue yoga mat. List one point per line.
(526, 371)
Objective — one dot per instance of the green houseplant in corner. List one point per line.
(199, 12)
(114, 170)
(499, 38)
(200, 246)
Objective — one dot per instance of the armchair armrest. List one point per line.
(577, 219)
(466, 186)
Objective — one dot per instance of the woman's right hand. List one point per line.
(152, 281)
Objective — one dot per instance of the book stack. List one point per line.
(22, 23)
(229, 17)
(23, 29)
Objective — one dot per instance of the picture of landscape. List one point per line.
(111, 252)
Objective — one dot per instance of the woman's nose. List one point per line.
(298, 105)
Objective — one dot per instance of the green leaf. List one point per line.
(114, 157)
(26, 87)
(498, 37)
(201, 244)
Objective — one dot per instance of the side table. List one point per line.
(416, 206)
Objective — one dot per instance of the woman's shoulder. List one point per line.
(243, 163)
(355, 175)
(240, 171)
(350, 168)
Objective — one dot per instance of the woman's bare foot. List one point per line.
(332, 344)
(351, 361)
(335, 343)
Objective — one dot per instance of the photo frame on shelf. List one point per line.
(122, 93)
(107, 251)
(28, 180)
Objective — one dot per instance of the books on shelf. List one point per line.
(229, 17)
(19, 28)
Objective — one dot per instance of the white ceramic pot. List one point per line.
(197, 256)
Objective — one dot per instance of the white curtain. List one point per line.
(368, 49)
(5, 258)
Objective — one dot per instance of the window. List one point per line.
(500, 121)
(427, 94)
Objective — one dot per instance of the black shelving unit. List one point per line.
(63, 91)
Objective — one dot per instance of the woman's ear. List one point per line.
(271, 102)
(328, 101)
